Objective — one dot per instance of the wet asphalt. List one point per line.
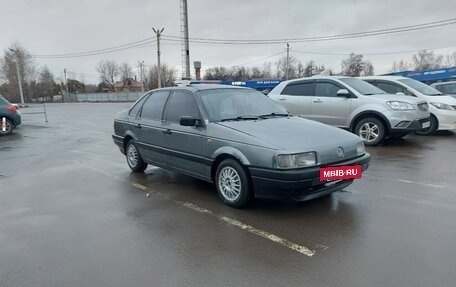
(72, 214)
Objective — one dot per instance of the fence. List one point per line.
(106, 97)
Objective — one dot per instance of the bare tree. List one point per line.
(109, 73)
(46, 86)
(400, 66)
(168, 76)
(217, 73)
(281, 65)
(426, 60)
(311, 69)
(368, 69)
(8, 72)
(355, 66)
(450, 60)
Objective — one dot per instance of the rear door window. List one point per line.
(153, 107)
(299, 89)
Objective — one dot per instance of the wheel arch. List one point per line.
(370, 114)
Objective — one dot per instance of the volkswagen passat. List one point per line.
(240, 140)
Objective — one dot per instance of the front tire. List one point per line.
(9, 127)
(371, 130)
(432, 128)
(134, 160)
(233, 184)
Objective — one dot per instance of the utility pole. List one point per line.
(185, 41)
(141, 66)
(66, 85)
(19, 80)
(158, 32)
(288, 60)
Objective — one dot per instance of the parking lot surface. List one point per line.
(72, 214)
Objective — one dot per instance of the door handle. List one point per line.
(167, 132)
(282, 99)
(138, 126)
(317, 101)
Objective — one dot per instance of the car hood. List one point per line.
(295, 134)
(446, 99)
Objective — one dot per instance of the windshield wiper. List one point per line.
(240, 118)
(273, 115)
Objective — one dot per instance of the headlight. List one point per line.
(443, 106)
(296, 160)
(360, 148)
(400, 106)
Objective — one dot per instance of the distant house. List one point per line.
(127, 85)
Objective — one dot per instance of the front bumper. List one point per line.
(412, 126)
(447, 119)
(299, 184)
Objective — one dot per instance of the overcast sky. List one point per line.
(54, 27)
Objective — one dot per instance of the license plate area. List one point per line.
(340, 172)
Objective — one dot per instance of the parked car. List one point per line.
(442, 107)
(240, 140)
(354, 105)
(447, 88)
(10, 117)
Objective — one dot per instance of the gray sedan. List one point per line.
(240, 140)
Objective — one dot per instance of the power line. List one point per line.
(373, 53)
(387, 31)
(207, 41)
(136, 44)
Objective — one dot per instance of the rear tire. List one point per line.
(9, 127)
(371, 130)
(233, 184)
(134, 160)
(432, 128)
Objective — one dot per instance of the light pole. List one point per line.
(141, 66)
(18, 77)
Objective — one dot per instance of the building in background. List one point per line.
(429, 76)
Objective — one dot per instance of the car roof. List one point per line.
(443, 83)
(201, 87)
(383, 78)
(317, 77)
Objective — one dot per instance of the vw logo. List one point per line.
(340, 152)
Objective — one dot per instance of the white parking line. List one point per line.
(406, 181)
(233, 222)
(419, 183)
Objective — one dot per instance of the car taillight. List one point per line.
(11, 108)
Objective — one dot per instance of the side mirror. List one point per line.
(343, 93)
(189, 121)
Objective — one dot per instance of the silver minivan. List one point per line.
(352, 104)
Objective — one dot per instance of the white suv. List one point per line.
(354, 105)
(442, 107)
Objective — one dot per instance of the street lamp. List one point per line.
(18, 77)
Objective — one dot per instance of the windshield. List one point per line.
(239, 104)
(362, 87)
(420, 87)
(447, 88)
